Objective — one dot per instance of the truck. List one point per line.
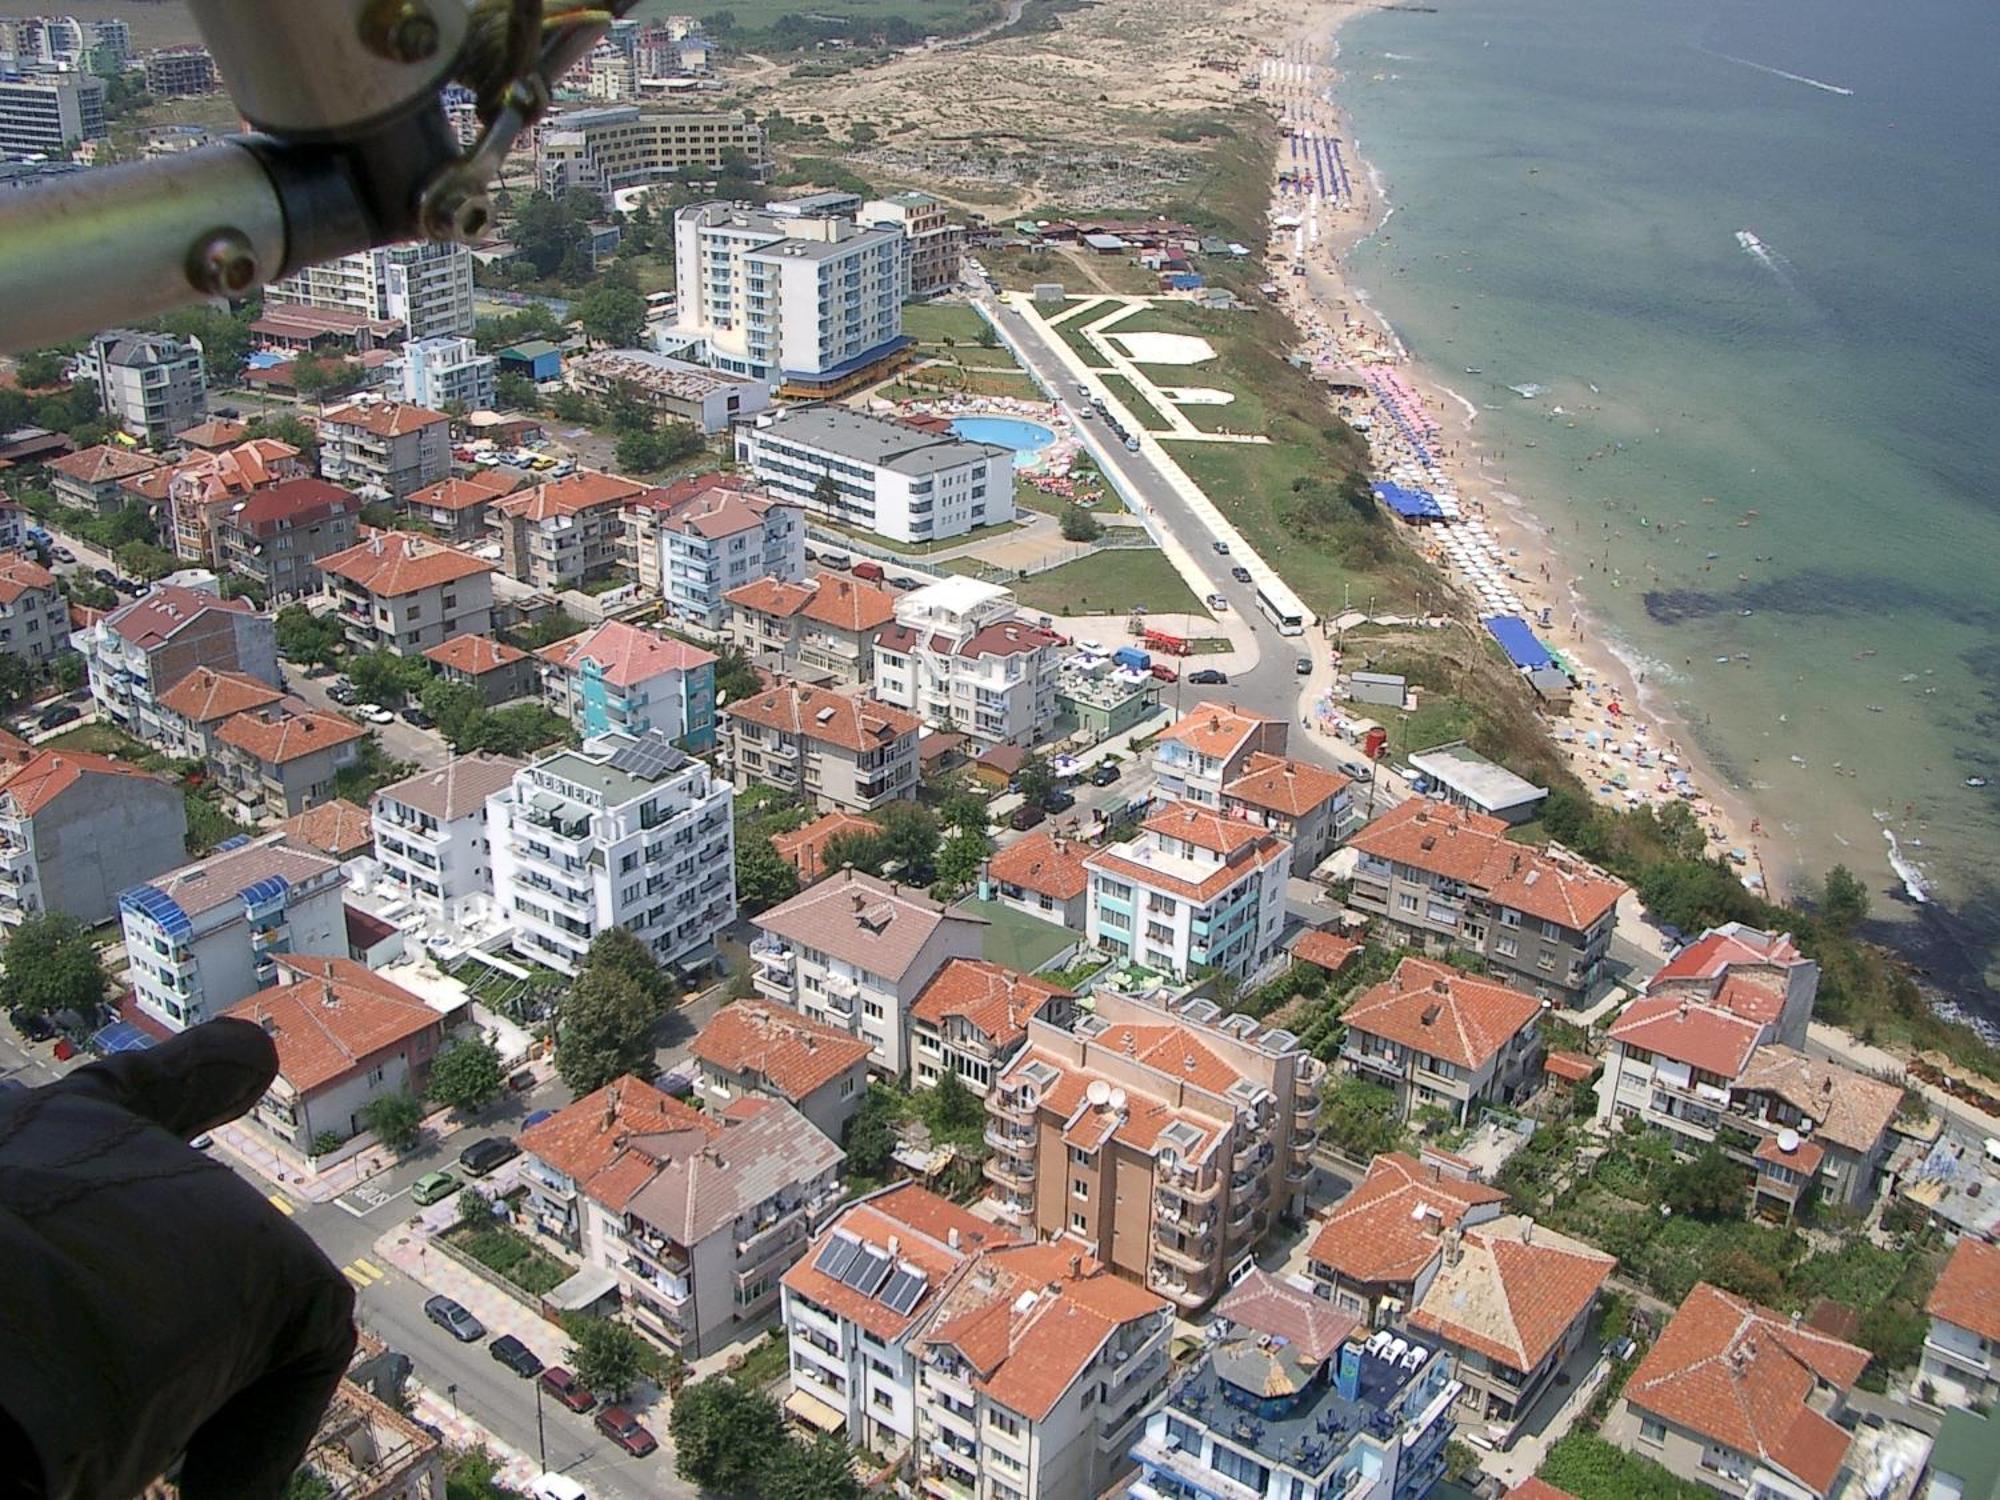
(1133, 657)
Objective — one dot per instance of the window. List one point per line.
(1080, 1223)
(1506, 947)
(847, 1086)
(1407, 901)
(1238, 1466)
(1006, 1421)
(1552, 931)
(1509, 917)
(872, 1009)
(881, 1401)
(1652, 1430)
(1079, 1187)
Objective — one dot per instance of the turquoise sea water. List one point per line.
(1787, 298)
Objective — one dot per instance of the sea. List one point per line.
(1752, 253)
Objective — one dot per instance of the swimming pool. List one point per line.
(1027, 439)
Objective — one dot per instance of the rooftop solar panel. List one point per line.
(837, 1256)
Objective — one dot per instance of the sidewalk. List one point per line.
(405, 1248)
(251, 1148)
(517, 1470)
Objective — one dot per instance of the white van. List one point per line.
(557, 1487)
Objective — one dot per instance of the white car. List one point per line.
(374, 713)
(1218, 603)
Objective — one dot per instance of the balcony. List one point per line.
(1385, 1064)
(1190, 1188)
(1195, 1255)
(1001, 1137)
(1011, 1172)
(1010, 1102)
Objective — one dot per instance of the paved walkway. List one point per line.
(404, 1248)
(517, 1469)
(253, 1148)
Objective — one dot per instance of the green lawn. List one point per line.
(1109, 581)
(1140, 407)
(100, 739)
(1014, 938)
(921, 549)
(932, 323)
(511, 1255)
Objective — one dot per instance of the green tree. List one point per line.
(290, 429)
(607, 1357)
(639, 452)
(475, 1209)
(764, 877)
(613, 315)
(735, 676)
(1843, 900)
(17, 680)
(1359, 1118)
(307, 1485)
(724, 1435)
(518, 729)
(870, 1138)
(473, 1474)
(386, 678)
(826, 496)
(1710, 1186)
(953, 1108)
(959, 859)
(605, 1021)
(965, 812)
(679, 441)
(144, 560)
(450, 704)
(225, 339)
(818, 1470)
(910, 832)
(42, 369)
(866, 852)
(467, 1075)
(1035, 781)
(397, 1120)
(52, 965)
(516, 393)
(311, 375)
(1079, 525)
(305, 638)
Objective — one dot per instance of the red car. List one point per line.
(623, 1429)
(1165, 673)
(565, 1387)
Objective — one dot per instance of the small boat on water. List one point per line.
(1474, 370)
(1975, 782)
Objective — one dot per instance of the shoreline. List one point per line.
(1618, 725)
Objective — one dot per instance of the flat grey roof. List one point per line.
(1471, 774)
(878, 440)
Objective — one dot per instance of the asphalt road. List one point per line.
(399, 740)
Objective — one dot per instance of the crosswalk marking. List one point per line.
(282, 1204)
(362, 1272)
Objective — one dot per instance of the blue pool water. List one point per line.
(1026, 438)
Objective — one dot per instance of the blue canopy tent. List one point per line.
(1518, 641)
(120, 1036)
(1410, 504)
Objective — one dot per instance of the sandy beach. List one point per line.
(1617, 737)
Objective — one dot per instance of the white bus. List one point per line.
(1282, 607)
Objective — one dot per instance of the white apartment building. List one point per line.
(855, 951)
(724, 539)
(34, 613)
(960, 658)
(1959, 1367)
(617, 678)
(448, 370)
(139, 650)
(206, 935)
(813, 305)
(151, 384)
(878, 473)
(426, 286)
(388, 445)
(45, 114)
(1196, 889)
(64, 41)
(406, 593)
(623, 832)
(933, 246)
(625, 146)
(77, 828)
(1210, 746)
(430, 830)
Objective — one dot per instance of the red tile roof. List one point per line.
(104, 464)
(1045, 863)
(1123, 867)
(1311, 1325)
(778, 1049)
(1572, 1067)
(392, 563)
(1002, 638)
(1698, 1035)
(1443, 1012)
(30, 785)
(1532, 1488)
(825, 598)
(1968, 1289)
(295, 502)
(1738, 1375)
(1736, 968)
(1386, 1230)
(722, 512)
(384, 418)
(923, 1225)
(1848, 1108)
(287, 731)
(805, 847)
(339, 828)
(19, 574)
(475, 655)
(591, 1140)
(624, 654)
(1328, 950)
(1803, 1158)
(1205, 828)
(874, 924)
(331, 1016)
(150, 621)
(1290, 788)
(206, 696)
(856, 724)
(993, 999)
(586, 489)
(216, 432)
(1473, 849)
(482, 488)
(1216, 730)
(1512, 1292)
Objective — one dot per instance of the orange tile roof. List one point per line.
(1513, 1291)
(206, 696)
(339, 828)
(877, 925)
(1044, 862)
(1216, 730)
(1848, 1108)
(1029, 1320)
(1803, 1158)
(1572, 1067)
(19, 574)
(1739, 1375)
(721, 512)
(825, 598)
(1444, 1012)
(1473, 849)
(1532, 1488)
(994, 999)
(805, 848)
(475, 655)
(1741, 969)
(1378, 1234)
(1328, 950)
(1146, 1118)
(1311, 1325)
(32, 784)
(154, 619)
(592, 1141)
(464, 493)
(384, 418)
(392, 563)
(216, 432)
(778, 1049)
(1698, 1035)
(856, 724)
(1172, 1050)
(586, 489)
(287, 731)
(104, 464)
(624, 654)
(923, 1226)
(235, 471)
(331, 1017)
(1288, 787)
(1205, 828)
(1968, 1289)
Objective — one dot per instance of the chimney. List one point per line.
(951, 1237)
(1441, 986)
(1075, 1266)
(1527, 1231)
(1454, 1248)
(610, 1108)
(895, 1245)
(1795, 1319)
(859, 898)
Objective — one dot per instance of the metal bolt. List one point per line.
(455, 209)
(222, 264)
(403, 31)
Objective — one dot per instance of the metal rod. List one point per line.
(94, 249)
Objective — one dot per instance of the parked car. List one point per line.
(104, 576)
(33, 1025)
(1221, 547)
(1303, 666)
(1104, 773)
(515, 1355)
(536, 1117)
(62, 713)
(62, 554)
(417, 718)
(1026, 816)
(1219, 603)
(1165, 673)
(623, 1429)
(522, 1081)
(374, 713)
(872, 571)
(1240, 573)
(432, 1186)
(840, 562)
(567, 1389)
(124, 585)
(455, 1320)
(1132, 445)
(341, 693)
(1059, 801)
(1208, 677)
(905, 581)
(482, 1157)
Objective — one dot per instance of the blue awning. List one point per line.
(270, 888)
(1518, 641)
(152, 902)
(1410, 504)
(120, 1036)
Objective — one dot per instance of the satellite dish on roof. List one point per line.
(1099, 1093)
(1788, 1141)
(1118, 1098)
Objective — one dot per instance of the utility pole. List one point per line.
(541, 1437)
